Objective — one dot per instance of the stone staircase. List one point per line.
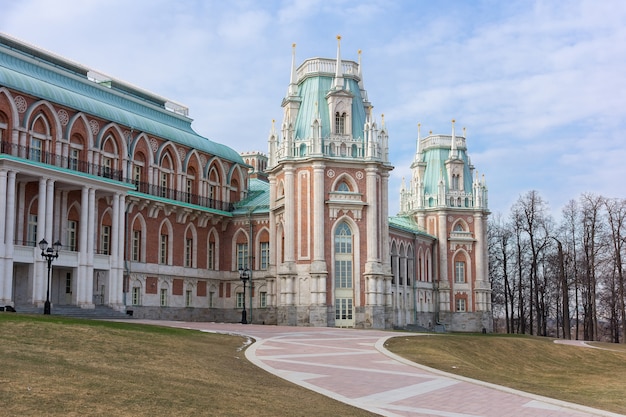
(99, 312)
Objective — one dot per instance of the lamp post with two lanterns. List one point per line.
(244, 276)
(49, 253)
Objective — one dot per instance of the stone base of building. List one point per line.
(373, 317)
(467, 322)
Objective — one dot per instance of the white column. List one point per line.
(289, 215)
(318, 213)
(39, 279)
(3, 209)
(91, 236)
(5, 279)
(81, 296)
(9, 235)
(372, 215)
(50, 211)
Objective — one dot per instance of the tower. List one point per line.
(328, 170)
(447, 199)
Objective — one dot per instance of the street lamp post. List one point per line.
(244, 276)
(49, 253)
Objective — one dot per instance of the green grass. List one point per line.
(591, 377)
(52, 366)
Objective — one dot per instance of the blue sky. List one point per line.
(539, 85)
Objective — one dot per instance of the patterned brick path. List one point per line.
(353, 366)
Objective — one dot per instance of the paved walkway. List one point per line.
(353, 366)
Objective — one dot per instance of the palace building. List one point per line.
(157, 220)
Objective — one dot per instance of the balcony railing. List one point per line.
(49, 158)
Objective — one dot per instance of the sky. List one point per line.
(540, 86)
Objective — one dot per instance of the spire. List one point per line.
(338, 81)
(453, 150)
(419, 137)
(293, 87)
(359, 73)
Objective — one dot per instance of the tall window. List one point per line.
(35, 149)
(163, 250)
(461, 304)
(163, 297)
(455, 181)
(242, 255)
(265, 255)
(136, 296)
(32, 229)
(188, 298)
(459, 275)
(211, 256)
(164, 184)
(189, 190)
(136, 245)
(262, 299)
(343, 256)
(72, 231)
(340, 123)
(211, 299)
(73, 159)
(107, 165)
(188, 252)
(137, 174)
(105, 240)
(240, 300)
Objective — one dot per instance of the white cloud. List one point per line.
(539, 85)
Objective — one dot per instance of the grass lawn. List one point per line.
(66, 367)
(591, 377)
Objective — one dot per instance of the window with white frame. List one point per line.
(242, 255)
(72, 232)
(32, 229)
(74, 158)
(188, 252)
(105, 240)
(36, 147)
(136, 245)
(211, 299)
(211, 256)
(136, 296)
(264, 247)
(340, 123)
(188, 298)
(163, 250)
(461, 304)
(459, 274)
(240, 300)
(163, 297)
(262, 299)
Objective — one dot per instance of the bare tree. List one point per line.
(534, 221)
(616, 213)
(591, 206)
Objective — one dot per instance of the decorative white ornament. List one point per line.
(154, 144)
(94, 126)
(20, 103)
(64, 118)
(330, 173)
(359, 175)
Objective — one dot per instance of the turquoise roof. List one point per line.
(312, 91)
(435, 168)
(407, 224)
(33, 72)
(258, 199)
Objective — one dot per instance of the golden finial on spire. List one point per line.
(338, 37)
(359, 52)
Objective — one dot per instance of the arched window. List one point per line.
(340, 123)
(343, 256)
(343, 186)
(344, 296)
